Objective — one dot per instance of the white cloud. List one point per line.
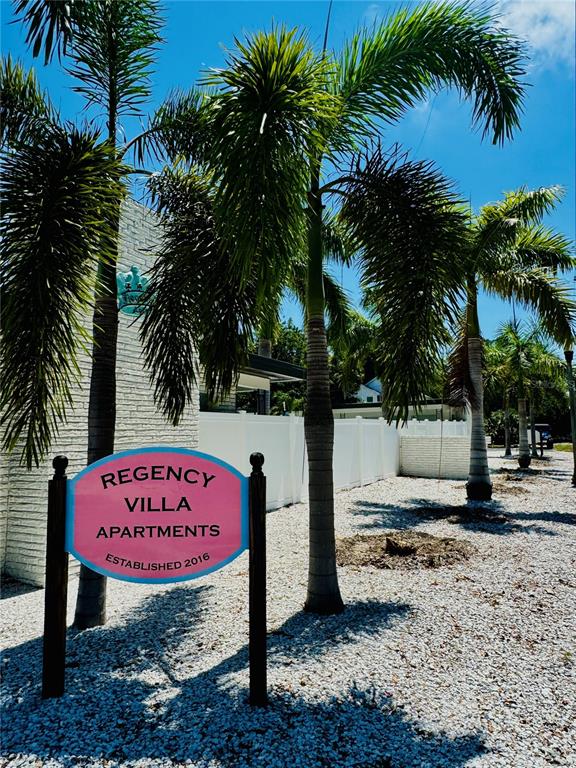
(548, 26)
(373, 14)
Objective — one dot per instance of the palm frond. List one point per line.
(337, 242)
(540, 291)
(25, 111)
(338, 308)
(264, 129)
(414, 243)
(193, 313)
(525, 205)
(56, 196)
(386, 69)
(500, 224)
(49, 24)
(460, 383)
(538, 246)
(339, 312)
(178, 129)
(113, 52)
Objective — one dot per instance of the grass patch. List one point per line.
(563, 447)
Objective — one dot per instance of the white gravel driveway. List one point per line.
(471, 665)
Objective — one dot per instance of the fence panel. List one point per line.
(365, 450)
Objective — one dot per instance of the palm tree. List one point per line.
(513, 256)
(268, 142)
(109, 47)
(495, 381)
(529, 361)
(60, 188)
(353, 351)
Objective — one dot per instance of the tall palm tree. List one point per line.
(511, 255)
(109, 48)
(60, 188)
(529, 362)
(270, 139)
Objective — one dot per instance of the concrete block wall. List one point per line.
(3, 507)
(424, 456)
(23, 494)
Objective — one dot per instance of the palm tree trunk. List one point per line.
(507, 440)
(534, 450)
(265, 350)
(479, 485)
(323, 594)
(91, 598)
(523, 449)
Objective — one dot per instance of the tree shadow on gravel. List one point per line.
(532, 474)
(135, 692)
(10, 587)
(489, 517)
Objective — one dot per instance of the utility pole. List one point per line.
(569, 356)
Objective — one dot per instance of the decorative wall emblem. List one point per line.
(132, 287)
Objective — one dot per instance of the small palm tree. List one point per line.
(109, 48)
(528, 362)
(495, 380)
(353, 351)
(513, 256)
(265, 148)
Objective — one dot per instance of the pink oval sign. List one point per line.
(157, 515)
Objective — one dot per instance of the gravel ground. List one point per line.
(468, 665)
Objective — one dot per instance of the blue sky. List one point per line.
(197, 35)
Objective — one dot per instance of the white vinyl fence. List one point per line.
(365, 450)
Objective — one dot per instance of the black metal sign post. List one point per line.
(56, 588)
(257, 587)
(56, 591)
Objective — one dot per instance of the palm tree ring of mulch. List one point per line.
(405, 550)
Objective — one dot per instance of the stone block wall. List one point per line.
(424, 456)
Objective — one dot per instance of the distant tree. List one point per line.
(290, 344)
(497, 422)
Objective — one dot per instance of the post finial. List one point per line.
(256, 460)
(60, 463)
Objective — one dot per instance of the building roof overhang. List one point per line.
(276, 371)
